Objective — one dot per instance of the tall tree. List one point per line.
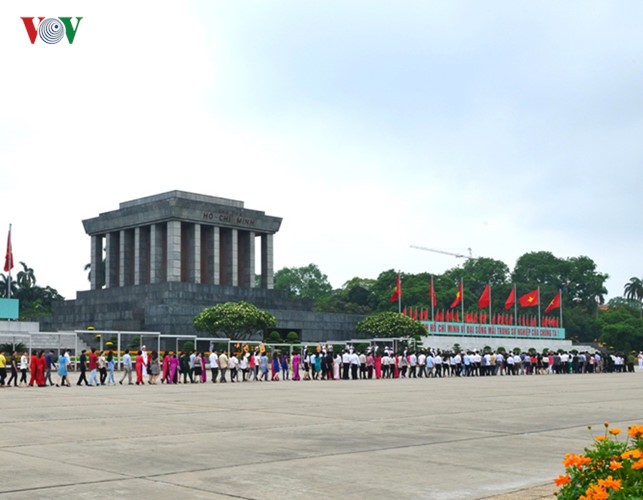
(634, 291)
(26, 277)
(306, 282)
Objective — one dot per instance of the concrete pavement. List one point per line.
(446, 438)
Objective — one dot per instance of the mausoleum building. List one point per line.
(156, 262)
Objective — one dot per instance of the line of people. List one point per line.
(39, 366)
(98, 368)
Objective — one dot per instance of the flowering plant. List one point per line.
(609, 469)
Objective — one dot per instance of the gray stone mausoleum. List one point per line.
(158, 261)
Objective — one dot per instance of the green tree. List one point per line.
(389, 324)
(26, 277)
(303, 282)
(35, 301)
(621, 329)
(5, 285)
(381, 291)
(235, 320)
(633, 291)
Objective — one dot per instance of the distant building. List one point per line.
(158, 261)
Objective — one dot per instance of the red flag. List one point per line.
(8, 257)
(554, 304)
(485, 298)
(533, 321)
(404, 311)
(432, 297)
(511, 300)
(458, 296)
(397, 293)
(457, 317)
(448, 316)
(426, 315)
(415, 313)
(529, 299)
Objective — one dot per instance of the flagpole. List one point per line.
(560, 309)
(9, 272)
(462, 298)
(515, 308)
(489, 300)
(431, 298)
(399, 295)
(538, 306)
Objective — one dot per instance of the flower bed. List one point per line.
(610, 469)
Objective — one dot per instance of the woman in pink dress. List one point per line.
(252, 364)
(378, 365)
(139, 368)
(165, 371)
(396, 370)
(296, 360)
(174, 365)
(204, 373)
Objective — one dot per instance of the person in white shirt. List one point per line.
(127, 368)
(421, 360)
(233, 364)
(214, 365)
(243, 366)
(223, 366)
(413, 361)
(346, 364)
(500, 360)
(144, 353)
(457, 359)
(362, 365)
(437, 361)
(354, 360)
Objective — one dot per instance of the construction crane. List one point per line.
(457, 255)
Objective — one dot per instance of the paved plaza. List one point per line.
(435, 439)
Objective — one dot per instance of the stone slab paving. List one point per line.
(452, 438)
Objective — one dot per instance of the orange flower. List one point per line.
(562, 479)
(600, 438)
(635, 431)
(614, 465)
(636, 453)
(615, 431)
(638, 464)
(595, 492)
(610, 482)
(573, 460)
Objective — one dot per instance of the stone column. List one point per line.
(97, 277)
(195, 254)
(126, 257)
(173, 250)
(138, 268)
(216, 256)
(267, 271)
(251, 260)
(111, 260)
(157, 252)
(246, 259)
(234, 257)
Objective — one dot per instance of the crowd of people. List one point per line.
(98, 368)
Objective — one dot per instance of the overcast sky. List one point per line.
(369, 126)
